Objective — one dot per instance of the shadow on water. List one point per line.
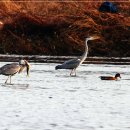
(68, 76)
(16, 86)
(44, 88)
(125, 79)
(95, 89)
(43, 71)
(72, 90)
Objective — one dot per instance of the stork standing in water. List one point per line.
(11, 69)
(74, 63)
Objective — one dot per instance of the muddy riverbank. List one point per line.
(60, 28)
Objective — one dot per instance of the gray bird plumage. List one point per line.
(70, 64)
(11, 69)
(74, 63)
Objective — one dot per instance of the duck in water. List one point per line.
(117, 77)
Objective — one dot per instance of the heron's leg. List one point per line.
(6, 80)
(10, 79)
(75, 71)
(71, 72)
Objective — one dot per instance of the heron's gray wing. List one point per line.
(71, 64)
(10, 69)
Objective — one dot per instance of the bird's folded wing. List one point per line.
(71, 64)
(72, 61)
(10, 69)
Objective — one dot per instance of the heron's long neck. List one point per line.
(83, 57)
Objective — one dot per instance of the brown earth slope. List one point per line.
(60, 28)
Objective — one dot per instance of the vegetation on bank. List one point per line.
(60, 28)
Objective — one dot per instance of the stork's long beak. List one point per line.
(27, 67)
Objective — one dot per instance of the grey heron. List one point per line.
(74, 63)
(13, 68)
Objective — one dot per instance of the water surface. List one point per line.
(52, 100)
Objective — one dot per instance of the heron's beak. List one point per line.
(96, 37)
(93, 38)
(27, 67)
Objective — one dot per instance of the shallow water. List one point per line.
(52, 100)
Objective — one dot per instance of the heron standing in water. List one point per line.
(11, 69)
(74, 63)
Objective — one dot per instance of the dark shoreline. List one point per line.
(61, 59)
(60, 28)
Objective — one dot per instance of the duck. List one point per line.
(117, 77)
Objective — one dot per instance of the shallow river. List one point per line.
(52, 100)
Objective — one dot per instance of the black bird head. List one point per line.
(117, 75)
